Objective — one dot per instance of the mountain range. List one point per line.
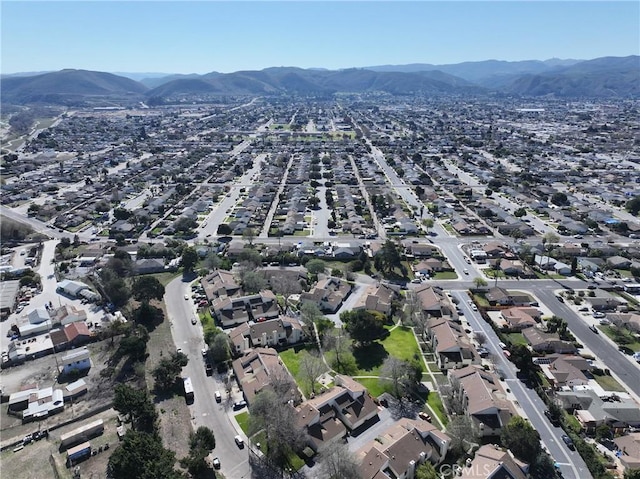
(606, 77)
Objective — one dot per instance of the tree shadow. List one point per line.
(370, 356)
(189, 276)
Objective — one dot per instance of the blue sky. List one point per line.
(204, 36)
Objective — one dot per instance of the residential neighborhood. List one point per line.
(320, 282)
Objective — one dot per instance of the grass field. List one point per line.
(622, 337)
(400, 343)
(374, 386)
(516, 338)
(608, 383)
(435, 403)
(243, 421)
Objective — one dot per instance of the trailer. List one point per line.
(82, 433)
(78, 453)
(188, 389)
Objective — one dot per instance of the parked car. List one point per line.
(424, 415)
(239, 441)
(568, 441)
(239, 404)
(560, 298)
(554, 420)
(218, 396)
(216, 463)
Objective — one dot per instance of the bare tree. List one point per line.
(337, 462)
(480, 337)
(284, 285)
(338, 341)
(453, 396)
(249, 235)
(402, 375)
(311, 366)
(273, 415)
(464, 434)
(414, 314)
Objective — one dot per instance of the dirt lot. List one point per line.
(44, 459)
(175, 418)
(42, 373)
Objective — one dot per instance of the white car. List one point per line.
(239, 441)
(186, 296)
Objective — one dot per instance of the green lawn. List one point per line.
(609, 383)
(435, 403)
(374, 386)
(400, 343)
(445, 275)
(516, 338)
(621, 336)
(243, 421)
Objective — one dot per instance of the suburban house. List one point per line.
(519, 318)
(230, 311)
(219, 283)
(328, 416)
(563, 370)
(435, 302)
(274, 332)
(377, 298)
(629, 445)
(501, 297)
(451, 345)
(491, 461)
(485, 400)
(541, 341)
(592, 410)
(401, 448)
(255, 369)
(71, 288)
(328, 294)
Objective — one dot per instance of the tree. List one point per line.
(520, 212)
(632, 474)
(189, 258)
(224, 229)
(142, 455)
(633, 205)
(388, 258)
(402, 375)
(311, 366)
(219, 348)
(136, 404)
(146, 288)
(559, 198)
(168, 370)
(253, 282)
(464, 435)
(315, 266)
(550, 238)
(522, 439)
(364, 326)
(337, 462)
(426, 471)
(200, 444)
(212, 261)
(337, 340)
(479, 282)
(271, 414)
(521, 357)
(249, 235)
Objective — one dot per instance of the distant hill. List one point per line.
(67, 87)
(604, 77)
(481, 72)
(614, 77)
(156, 81)
(290, 80)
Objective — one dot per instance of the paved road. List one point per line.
(205, 411)
(572, 465)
